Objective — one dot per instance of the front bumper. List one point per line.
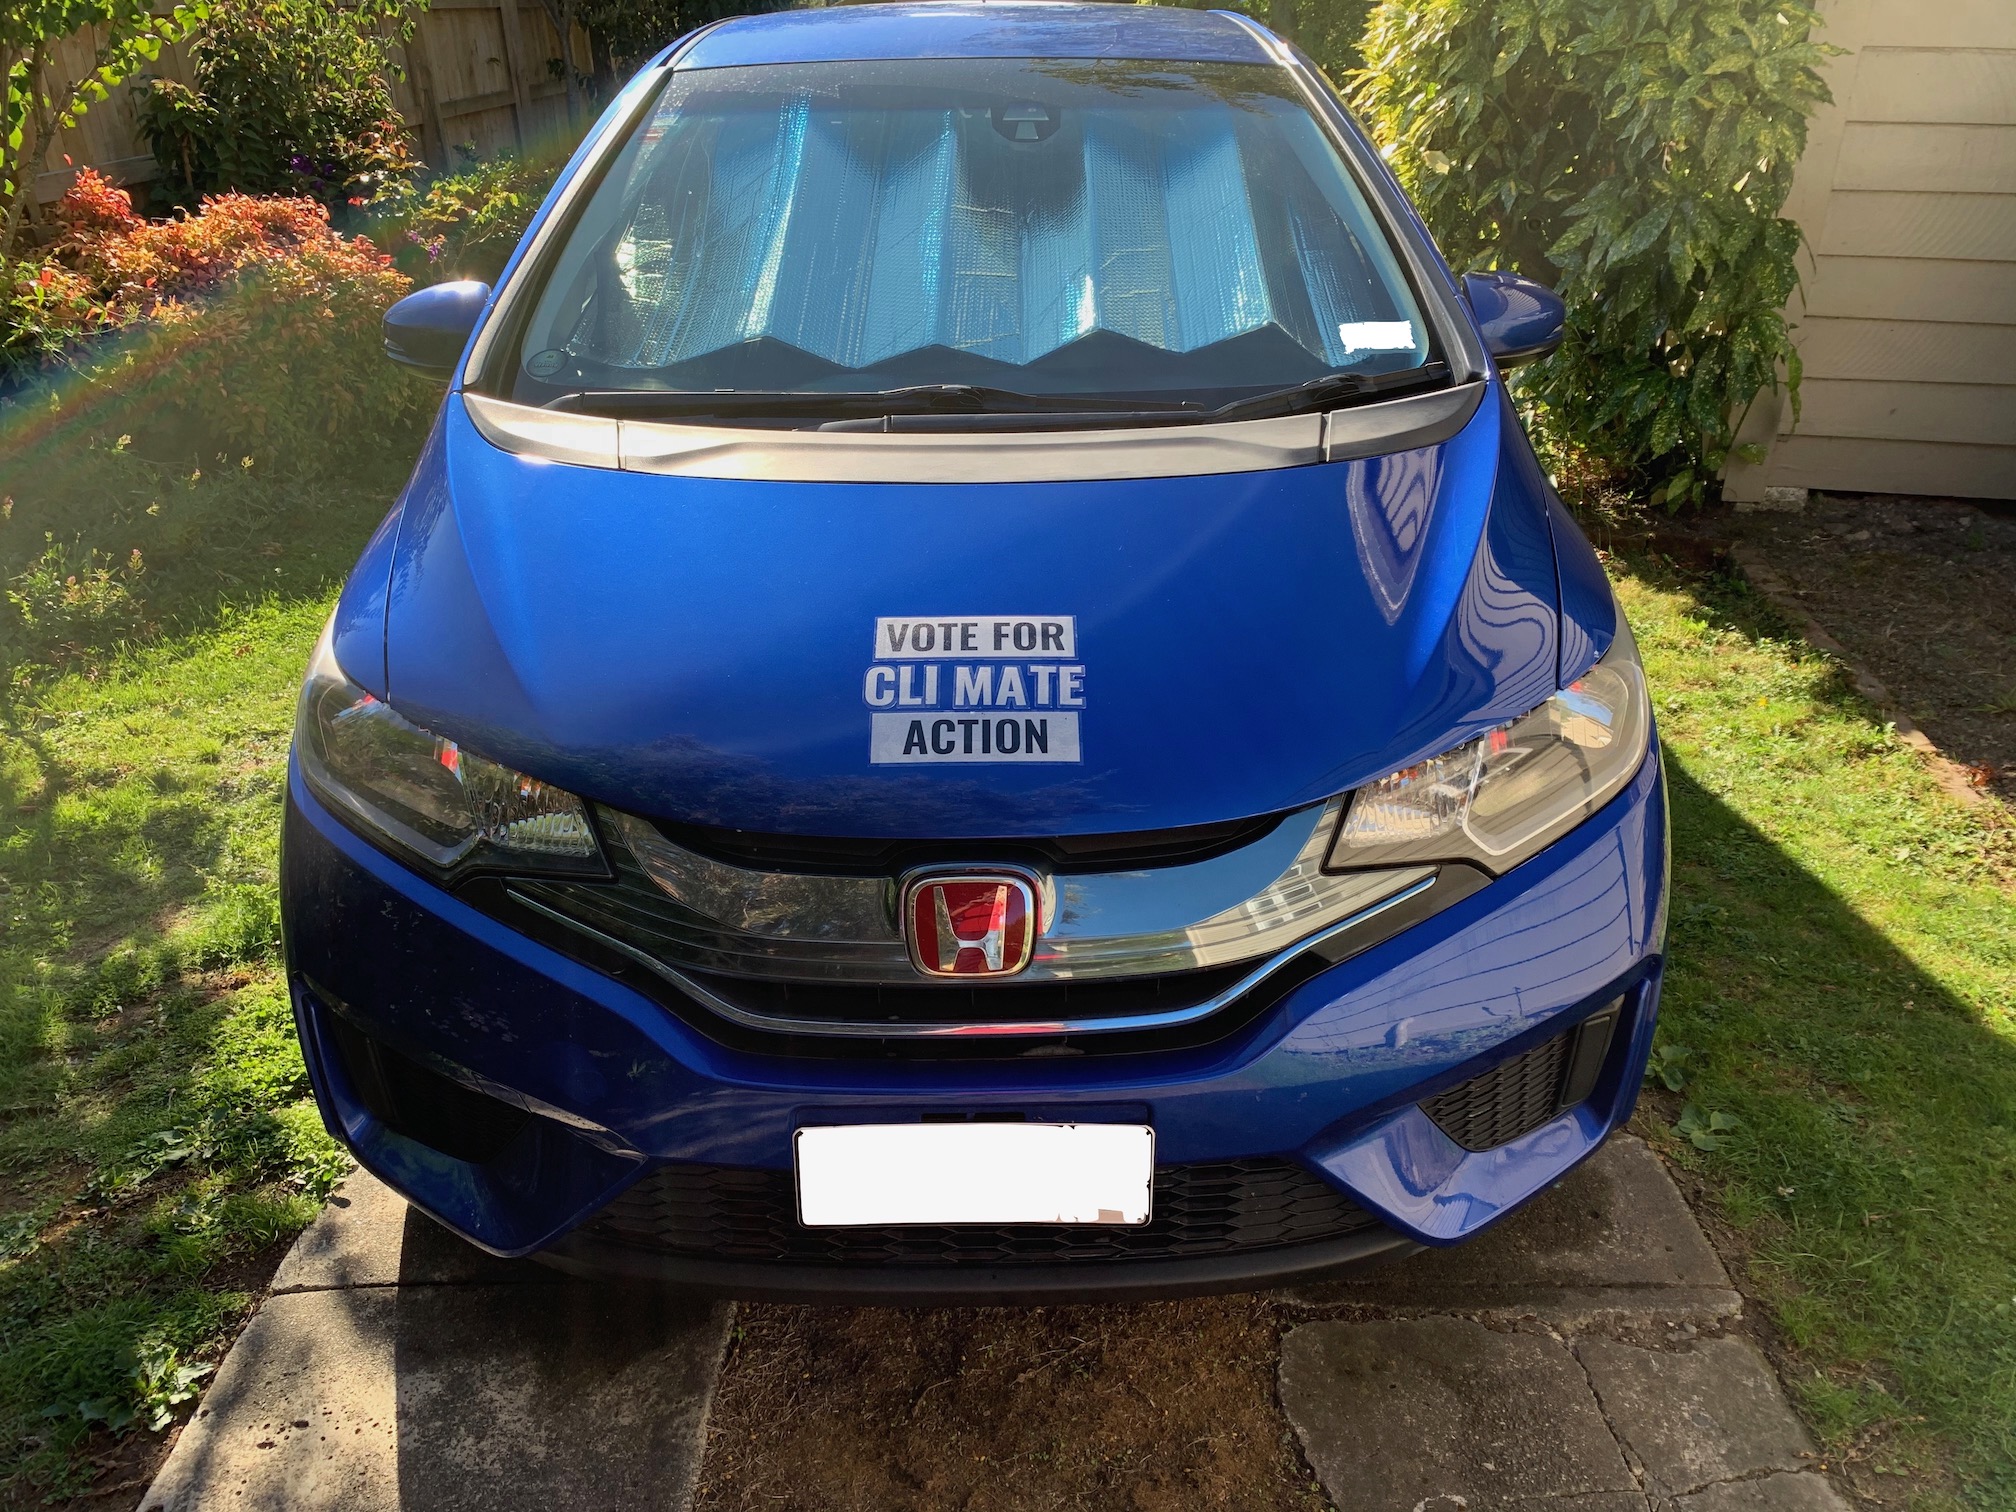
(616, 1089)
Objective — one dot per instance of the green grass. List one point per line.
(158, 1145)
(1843, 983)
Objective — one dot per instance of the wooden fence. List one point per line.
(479, 76)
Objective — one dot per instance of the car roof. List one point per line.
(979, 29)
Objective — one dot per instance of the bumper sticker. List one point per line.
(983, 688)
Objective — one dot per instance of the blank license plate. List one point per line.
(876, 1174)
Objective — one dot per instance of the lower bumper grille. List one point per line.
(1517, 1096)
(728, 1213)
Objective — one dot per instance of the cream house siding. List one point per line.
(1907, 321)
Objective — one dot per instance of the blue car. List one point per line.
(977, 696)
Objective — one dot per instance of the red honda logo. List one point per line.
(971, 926)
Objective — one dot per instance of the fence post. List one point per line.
(433, 140)
(514, 59)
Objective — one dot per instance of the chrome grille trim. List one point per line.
(746, 1018)
(1243, 905)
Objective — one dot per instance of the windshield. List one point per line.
(1161, 234)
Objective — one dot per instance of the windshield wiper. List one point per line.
(916, 399)
(1329, 391)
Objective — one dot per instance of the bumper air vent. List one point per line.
(1517, 1096)
(729, 1213)
(423, 1105)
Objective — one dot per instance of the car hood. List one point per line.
(707, 650)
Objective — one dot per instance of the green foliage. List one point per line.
(465, 224)
(36, 101)
(72, 601)
(290, 96)
(1667, 1065)
(44, 311)
(1634, 154)
(1706, 1131)
(251, 333)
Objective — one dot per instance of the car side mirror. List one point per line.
(1521, 320)
(428, 329)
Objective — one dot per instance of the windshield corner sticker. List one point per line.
(990, 687)
(1376, 336)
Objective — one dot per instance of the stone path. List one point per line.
(396, 1367)
(1576, 1359)
(1579, 1359)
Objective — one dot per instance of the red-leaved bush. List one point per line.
(260, 322)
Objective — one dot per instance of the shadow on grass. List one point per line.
(1842, 1002)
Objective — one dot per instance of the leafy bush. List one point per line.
(37, 100)
(259, 323)
(72, 601)
(1634, 154)
(466, 224)
(290, 96)
(44, 309)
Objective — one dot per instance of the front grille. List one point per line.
(729, 1213)
(1009, 1002)
(1062, 854)
(1517, 1096)
(630, 909)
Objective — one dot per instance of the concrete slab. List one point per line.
(1771, 1493)
(452, 1399)
(1710, 1412)
(1613, 1240)
(1394, 1415)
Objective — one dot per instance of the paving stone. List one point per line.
(1771, 1493)
(453, 1399)
(1615, 1222)
(1394, 1415)
(1710, 1412)
(368, 1236)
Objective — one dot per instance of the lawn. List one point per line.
(1843, 986)
(158, 1147)
(1843, 983)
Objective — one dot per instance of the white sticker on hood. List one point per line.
(979, 688)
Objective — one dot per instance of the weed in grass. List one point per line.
(1667, 1066)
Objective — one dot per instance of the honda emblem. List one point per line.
(971, 926)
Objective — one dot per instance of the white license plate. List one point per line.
(875, 1174)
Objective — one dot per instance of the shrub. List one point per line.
(1635, 155)
(136, 264)
(45, 308)
(261, 323)
(291, 367)
(72, 602)
(290, 96)
(38, 95)
(466, 224)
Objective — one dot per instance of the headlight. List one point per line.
(1497, 799)
(422, 793)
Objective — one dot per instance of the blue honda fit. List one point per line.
(977, 696)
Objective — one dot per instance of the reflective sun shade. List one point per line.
(1054, 226)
